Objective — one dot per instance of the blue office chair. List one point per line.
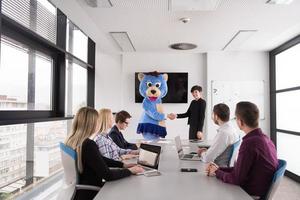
(276, 179)
(70, 185)
(234, 152)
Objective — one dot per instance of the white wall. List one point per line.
(236, 66)
(108, 81)
(115, 81)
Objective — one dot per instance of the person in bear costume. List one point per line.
(153, 87)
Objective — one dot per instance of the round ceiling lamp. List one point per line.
(183, 46)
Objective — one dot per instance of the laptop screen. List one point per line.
(147, 158)
(149, 155)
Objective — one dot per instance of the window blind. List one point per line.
(36, 15)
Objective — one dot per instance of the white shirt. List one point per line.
(226, 136)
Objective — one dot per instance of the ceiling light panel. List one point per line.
(279, 2)
(123, 40)
(194, 5)
(99, 3)
(141, 4)
(238, 39)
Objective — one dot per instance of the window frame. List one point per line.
(58, 53)
(273, 92)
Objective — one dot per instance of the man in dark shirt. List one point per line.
(257, 160)
(195, 114)
(122, 120)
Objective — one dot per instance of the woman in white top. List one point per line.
(221, 149)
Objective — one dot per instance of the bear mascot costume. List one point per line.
(153, 87)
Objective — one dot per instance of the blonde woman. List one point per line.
(106, 145)
(92, 167)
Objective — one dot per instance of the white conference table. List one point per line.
(172, 184)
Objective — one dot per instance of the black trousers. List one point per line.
(193, 132)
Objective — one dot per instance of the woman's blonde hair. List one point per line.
(104, 119)
(84, 125)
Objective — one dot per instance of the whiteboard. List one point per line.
(232, 92)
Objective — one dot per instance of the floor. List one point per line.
(288, 190)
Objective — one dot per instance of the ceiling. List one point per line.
(152, 25)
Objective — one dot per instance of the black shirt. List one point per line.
(195, 114)
(96, 168)
(118, 138)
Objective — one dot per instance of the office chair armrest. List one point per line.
(87, 187)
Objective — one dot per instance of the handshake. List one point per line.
(172, 116)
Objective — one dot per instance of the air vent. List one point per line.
(183, 46)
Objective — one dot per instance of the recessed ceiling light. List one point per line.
(183, 46)
(193, 5)
(240, 37)
(279, 1)
(99, 3)
(123, 40)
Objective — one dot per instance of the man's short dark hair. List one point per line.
(222, 111)
(248, 113)
(196, 87)
(122, 116)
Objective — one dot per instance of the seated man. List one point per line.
(220, 150)
(257, 160)
(122, 120)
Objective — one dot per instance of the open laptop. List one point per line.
(181, 155)
(149, 158)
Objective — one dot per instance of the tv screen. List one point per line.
(177, 88)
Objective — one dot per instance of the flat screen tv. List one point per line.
(177, 88)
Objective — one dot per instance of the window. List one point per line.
(285, 108)
(13, 155)
(287, 68)
(291, 154)
(46, 153)
(33, 78)
(77, 41)
(288, 109)
(41, 81)
(76, 87)
(46, 147)
(37, 15)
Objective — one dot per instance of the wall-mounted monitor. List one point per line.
(177, 88)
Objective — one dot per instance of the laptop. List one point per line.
(149, 158)
(181, 155)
